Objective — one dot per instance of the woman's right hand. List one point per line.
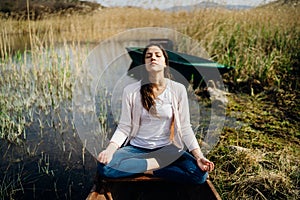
(105, 157)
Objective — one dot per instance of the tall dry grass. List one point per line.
(254, 174)
(261, 43)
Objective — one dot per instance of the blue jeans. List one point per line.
(130, 160)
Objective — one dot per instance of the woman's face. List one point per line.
(154, 59)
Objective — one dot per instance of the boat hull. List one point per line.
(184, 68)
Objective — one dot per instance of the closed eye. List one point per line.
(157, 54)
(148, 55)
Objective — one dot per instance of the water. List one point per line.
(50, 164)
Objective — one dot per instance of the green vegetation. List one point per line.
(262, 43)
(266, 167)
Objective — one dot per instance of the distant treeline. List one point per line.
(39, 9)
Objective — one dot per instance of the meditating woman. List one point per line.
(154, 129)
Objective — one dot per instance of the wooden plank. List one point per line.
(213, 189)
(147, 187)
(97, 196)
(134, 179)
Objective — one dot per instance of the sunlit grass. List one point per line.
(259, 159)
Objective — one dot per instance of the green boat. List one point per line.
(194, 69)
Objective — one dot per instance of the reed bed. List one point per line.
(269, 35)
(262, 44)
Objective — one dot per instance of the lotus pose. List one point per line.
(154, 129)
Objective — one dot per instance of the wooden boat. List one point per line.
(146, 187)
(192, 68)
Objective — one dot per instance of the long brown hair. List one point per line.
(147, 94)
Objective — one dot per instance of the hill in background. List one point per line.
(40, 9)
(207, 4)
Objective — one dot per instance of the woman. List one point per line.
(154, 129)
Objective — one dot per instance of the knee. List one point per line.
(105, 171)
(199, 178)
(202, 178)
(100, 168)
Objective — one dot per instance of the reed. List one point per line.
(260, 43)
(12, 182)
(270, 36)
(44, 165)
(38, 80)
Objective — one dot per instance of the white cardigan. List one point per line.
(131, 113)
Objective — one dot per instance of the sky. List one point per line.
(162, 4)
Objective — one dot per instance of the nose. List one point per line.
(153, 57)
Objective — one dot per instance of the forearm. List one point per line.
(197, 153)
(112, 147)
(189, 139)
(120, 135)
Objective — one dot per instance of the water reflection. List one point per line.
(51, 163)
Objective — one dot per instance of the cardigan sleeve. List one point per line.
(124, 126)
(188, 135)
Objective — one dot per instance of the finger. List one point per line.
(205, 168)
(102, 158)
(99, 158)
(202, 165)
(209, 163)
(211, 166)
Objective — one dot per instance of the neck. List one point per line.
(158, 80)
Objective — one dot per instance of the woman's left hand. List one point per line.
(205, 165)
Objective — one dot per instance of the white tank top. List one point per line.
(154, 131)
